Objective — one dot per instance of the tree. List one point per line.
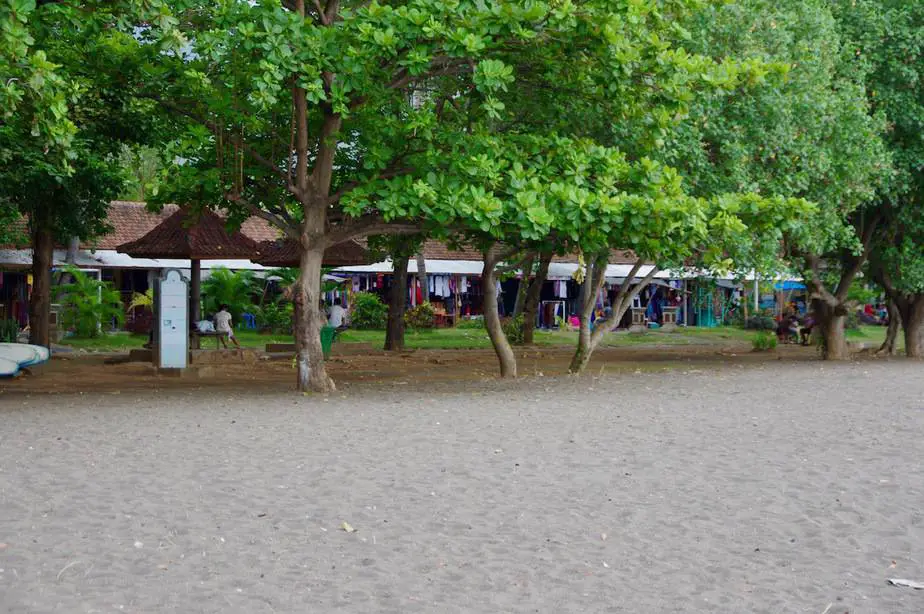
(88, 303)
(291, 110)
(886, 40)
(399, 248)
(814, 138)
(62, 126)
(332, 119)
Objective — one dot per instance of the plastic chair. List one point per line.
(250, 321)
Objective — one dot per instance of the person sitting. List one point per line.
(788, 329)
(338, 315)
(223, 327)
(805, 331)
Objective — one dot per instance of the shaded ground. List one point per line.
(358, 364)
(780, 486)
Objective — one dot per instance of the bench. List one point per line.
(196, 336)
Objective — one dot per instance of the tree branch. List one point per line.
(322, 16)
(388, 173)
(257, 211)
(253, 153)
(818, 287)
(370, 225)
(602, 326)
(513, 266)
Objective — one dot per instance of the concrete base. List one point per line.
(637, 329)
(187, 373)
(219, 357)
(141, 355)
(280, 347)
(668, 328)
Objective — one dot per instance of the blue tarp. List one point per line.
(788, 285)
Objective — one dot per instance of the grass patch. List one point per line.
(462, 338)
(124, 341)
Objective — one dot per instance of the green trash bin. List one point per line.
(327, 339)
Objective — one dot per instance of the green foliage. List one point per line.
(886, 39)
(234, 289)
(369, 312)
(513, 329)
(88, 304)
(859, 294)
(853, 320)
(141, 165)
(764, 341)
(64, 114)
(421, 317)
(275, 317)
(9, 331)
(471, 324)
(760, 322)
(145, 301)
(814, 137)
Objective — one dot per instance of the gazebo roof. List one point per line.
(286, 253)
(197, 237)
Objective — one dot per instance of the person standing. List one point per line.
(223, 326)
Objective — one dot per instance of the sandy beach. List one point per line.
(777, 488)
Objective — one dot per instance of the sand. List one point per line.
(769, 488)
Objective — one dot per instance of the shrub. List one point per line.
(761, 322)
(369, 312)
(513, 329)
(9, 331)
(87, 303)
(223, 287)
(764, 341)
(853, 320)
(421, 317)
(471, 324)
(276, 317)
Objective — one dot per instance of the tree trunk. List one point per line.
(831, 321)
(312, 374)
(913, 323)
(43, 248)
(492, 322)
(593, 281)
(422, 278)
(895, 322)
(584, 349)
(397, 304)
(523, 286)
(533, 294)
(620, 306)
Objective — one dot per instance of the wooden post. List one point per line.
(456, 303)
(195, 298)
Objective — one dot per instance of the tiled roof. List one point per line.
(132, 220)
(434, 250)
(286, 253)
(202, 237)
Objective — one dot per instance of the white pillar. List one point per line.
(756, 295)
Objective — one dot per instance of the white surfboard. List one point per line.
(24, 354)
(8, 368)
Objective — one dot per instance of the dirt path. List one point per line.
(355, 367)
(777, 486)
